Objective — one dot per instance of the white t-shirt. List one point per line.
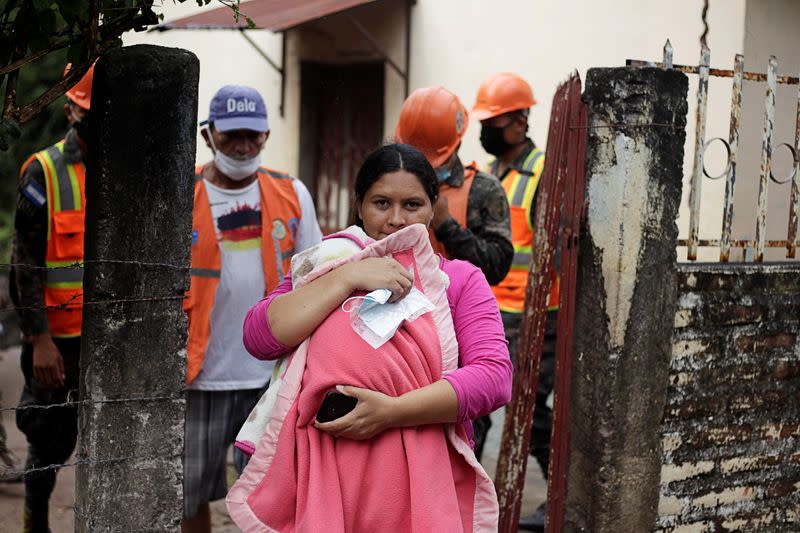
(237, 219)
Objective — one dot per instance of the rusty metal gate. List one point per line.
(559, 209)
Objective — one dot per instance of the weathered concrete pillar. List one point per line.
(626, 297)
(139, 210)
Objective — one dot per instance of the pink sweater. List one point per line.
(483, 380)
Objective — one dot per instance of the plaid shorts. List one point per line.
(213, 418)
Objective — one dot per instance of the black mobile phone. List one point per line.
(335, 405)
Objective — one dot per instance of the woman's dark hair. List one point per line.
(391, 158)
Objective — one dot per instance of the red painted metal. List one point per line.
(563, 166)
(572, 218)
(274, 15)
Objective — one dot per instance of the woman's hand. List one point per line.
(372, 415)
(379, 273)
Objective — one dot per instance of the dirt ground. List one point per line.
(62, 519)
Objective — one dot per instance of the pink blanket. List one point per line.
(423, 478)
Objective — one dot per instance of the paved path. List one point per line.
(63, 500)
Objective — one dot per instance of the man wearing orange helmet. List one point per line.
(48, 232)
(502, 106)
(471, 219)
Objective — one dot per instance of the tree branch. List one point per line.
(10, 109)
(30, 110)
(16, 65)
(91, 32)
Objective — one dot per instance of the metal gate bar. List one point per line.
(768, 146)
(513, 459)
(571, 219)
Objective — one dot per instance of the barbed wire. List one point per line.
(75, 403)
(88, 462)
(74, 304)
(80, 264)
(624, 125)
(75, 301)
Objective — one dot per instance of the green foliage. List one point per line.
(37, 39)
(30, 29)
(41, 131)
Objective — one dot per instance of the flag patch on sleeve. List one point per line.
(33, 192)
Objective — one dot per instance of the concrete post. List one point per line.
(626, 297)
(139, 209)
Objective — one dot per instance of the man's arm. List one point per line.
(29, 246)
(486, 241)
(26, 283)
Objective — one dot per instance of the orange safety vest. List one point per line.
(457, 201)
(280, 216)
(520, 186)
(66, 203)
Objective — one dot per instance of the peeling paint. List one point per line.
(617, 218)
(689, 300)
(682, 318)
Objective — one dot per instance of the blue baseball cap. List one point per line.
(236, 107)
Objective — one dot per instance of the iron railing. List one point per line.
(726, 242)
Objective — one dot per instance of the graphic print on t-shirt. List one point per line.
(240, 228)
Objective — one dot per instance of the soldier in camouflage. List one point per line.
(471, 219)
(51, 350)
(485, 239)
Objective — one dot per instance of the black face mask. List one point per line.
(492, 140)
(81, 127)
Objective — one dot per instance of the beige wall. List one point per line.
(457, 43)
(772, 29)
(226, 58)
(544, 40)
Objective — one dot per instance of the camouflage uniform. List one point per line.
(51, 433)
(543, 414)
(486, 241)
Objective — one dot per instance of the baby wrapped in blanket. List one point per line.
(422, 478)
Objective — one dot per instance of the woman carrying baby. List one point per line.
(401, 460)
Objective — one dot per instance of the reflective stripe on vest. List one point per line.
(522, 259)
(521, 196)
(527, 181)
(65, 230)
(65, 275)
(520, 185)
(205, 272)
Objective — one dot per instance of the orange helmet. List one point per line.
(500, 94)
(81, 92)
(433, 120)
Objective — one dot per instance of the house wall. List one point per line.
(771, 29)
(458, 43)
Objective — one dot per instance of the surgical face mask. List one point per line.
(376, 321)
(235, 169)
(443, 173)
(492, 140)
